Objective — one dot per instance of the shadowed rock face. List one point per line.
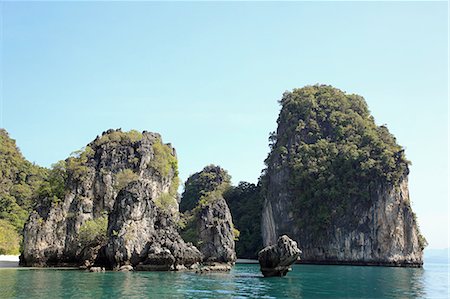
(132, 178)
(216, 232)
(144, 235)
(275, 260)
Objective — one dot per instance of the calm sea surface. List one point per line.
(305, 281)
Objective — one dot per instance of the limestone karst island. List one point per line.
(334, 191)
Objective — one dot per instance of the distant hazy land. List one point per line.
(440, 256)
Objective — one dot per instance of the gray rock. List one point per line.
(216, 238)
(276, 260)
(126, 268)
(385, 233)
(144, 235)
(214, 267)
(96, 269)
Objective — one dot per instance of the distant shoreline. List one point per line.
(246, 261)
(9, 261)
(9, 258)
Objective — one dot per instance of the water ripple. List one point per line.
(244, 281)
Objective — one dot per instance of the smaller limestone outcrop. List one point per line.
(207, 219)
(275, 260)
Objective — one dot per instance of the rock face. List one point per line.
(337, 183)
(72, 230)
(384, 233)
(144, 235)
(275, 260)
(209, 222)
(215, 227)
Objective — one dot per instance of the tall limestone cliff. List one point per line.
(70, 227)
(338, 184)
(207, 218)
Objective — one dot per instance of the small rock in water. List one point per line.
(276, 260)
(214, 267)
(96, 269)
(126, 268)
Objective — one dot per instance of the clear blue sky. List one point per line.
(207, 76)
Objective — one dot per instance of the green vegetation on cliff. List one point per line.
(166, 201)
(94, 231)
(76, 164)
(245, 202)
(124, 177)
(200, 185)
(9, 238)
(163, 160)
(20, 181)
(53, 187)
(334, 153)
(200, 189)
(188, 228)
(113, 136)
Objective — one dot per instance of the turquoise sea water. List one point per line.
(245, 280)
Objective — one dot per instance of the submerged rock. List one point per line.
(275, 260)
(214, 267)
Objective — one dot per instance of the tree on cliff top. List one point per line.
(199, 185)
(200, 189)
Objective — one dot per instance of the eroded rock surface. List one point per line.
(216, 232)
(72, 230)
(144, 235)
